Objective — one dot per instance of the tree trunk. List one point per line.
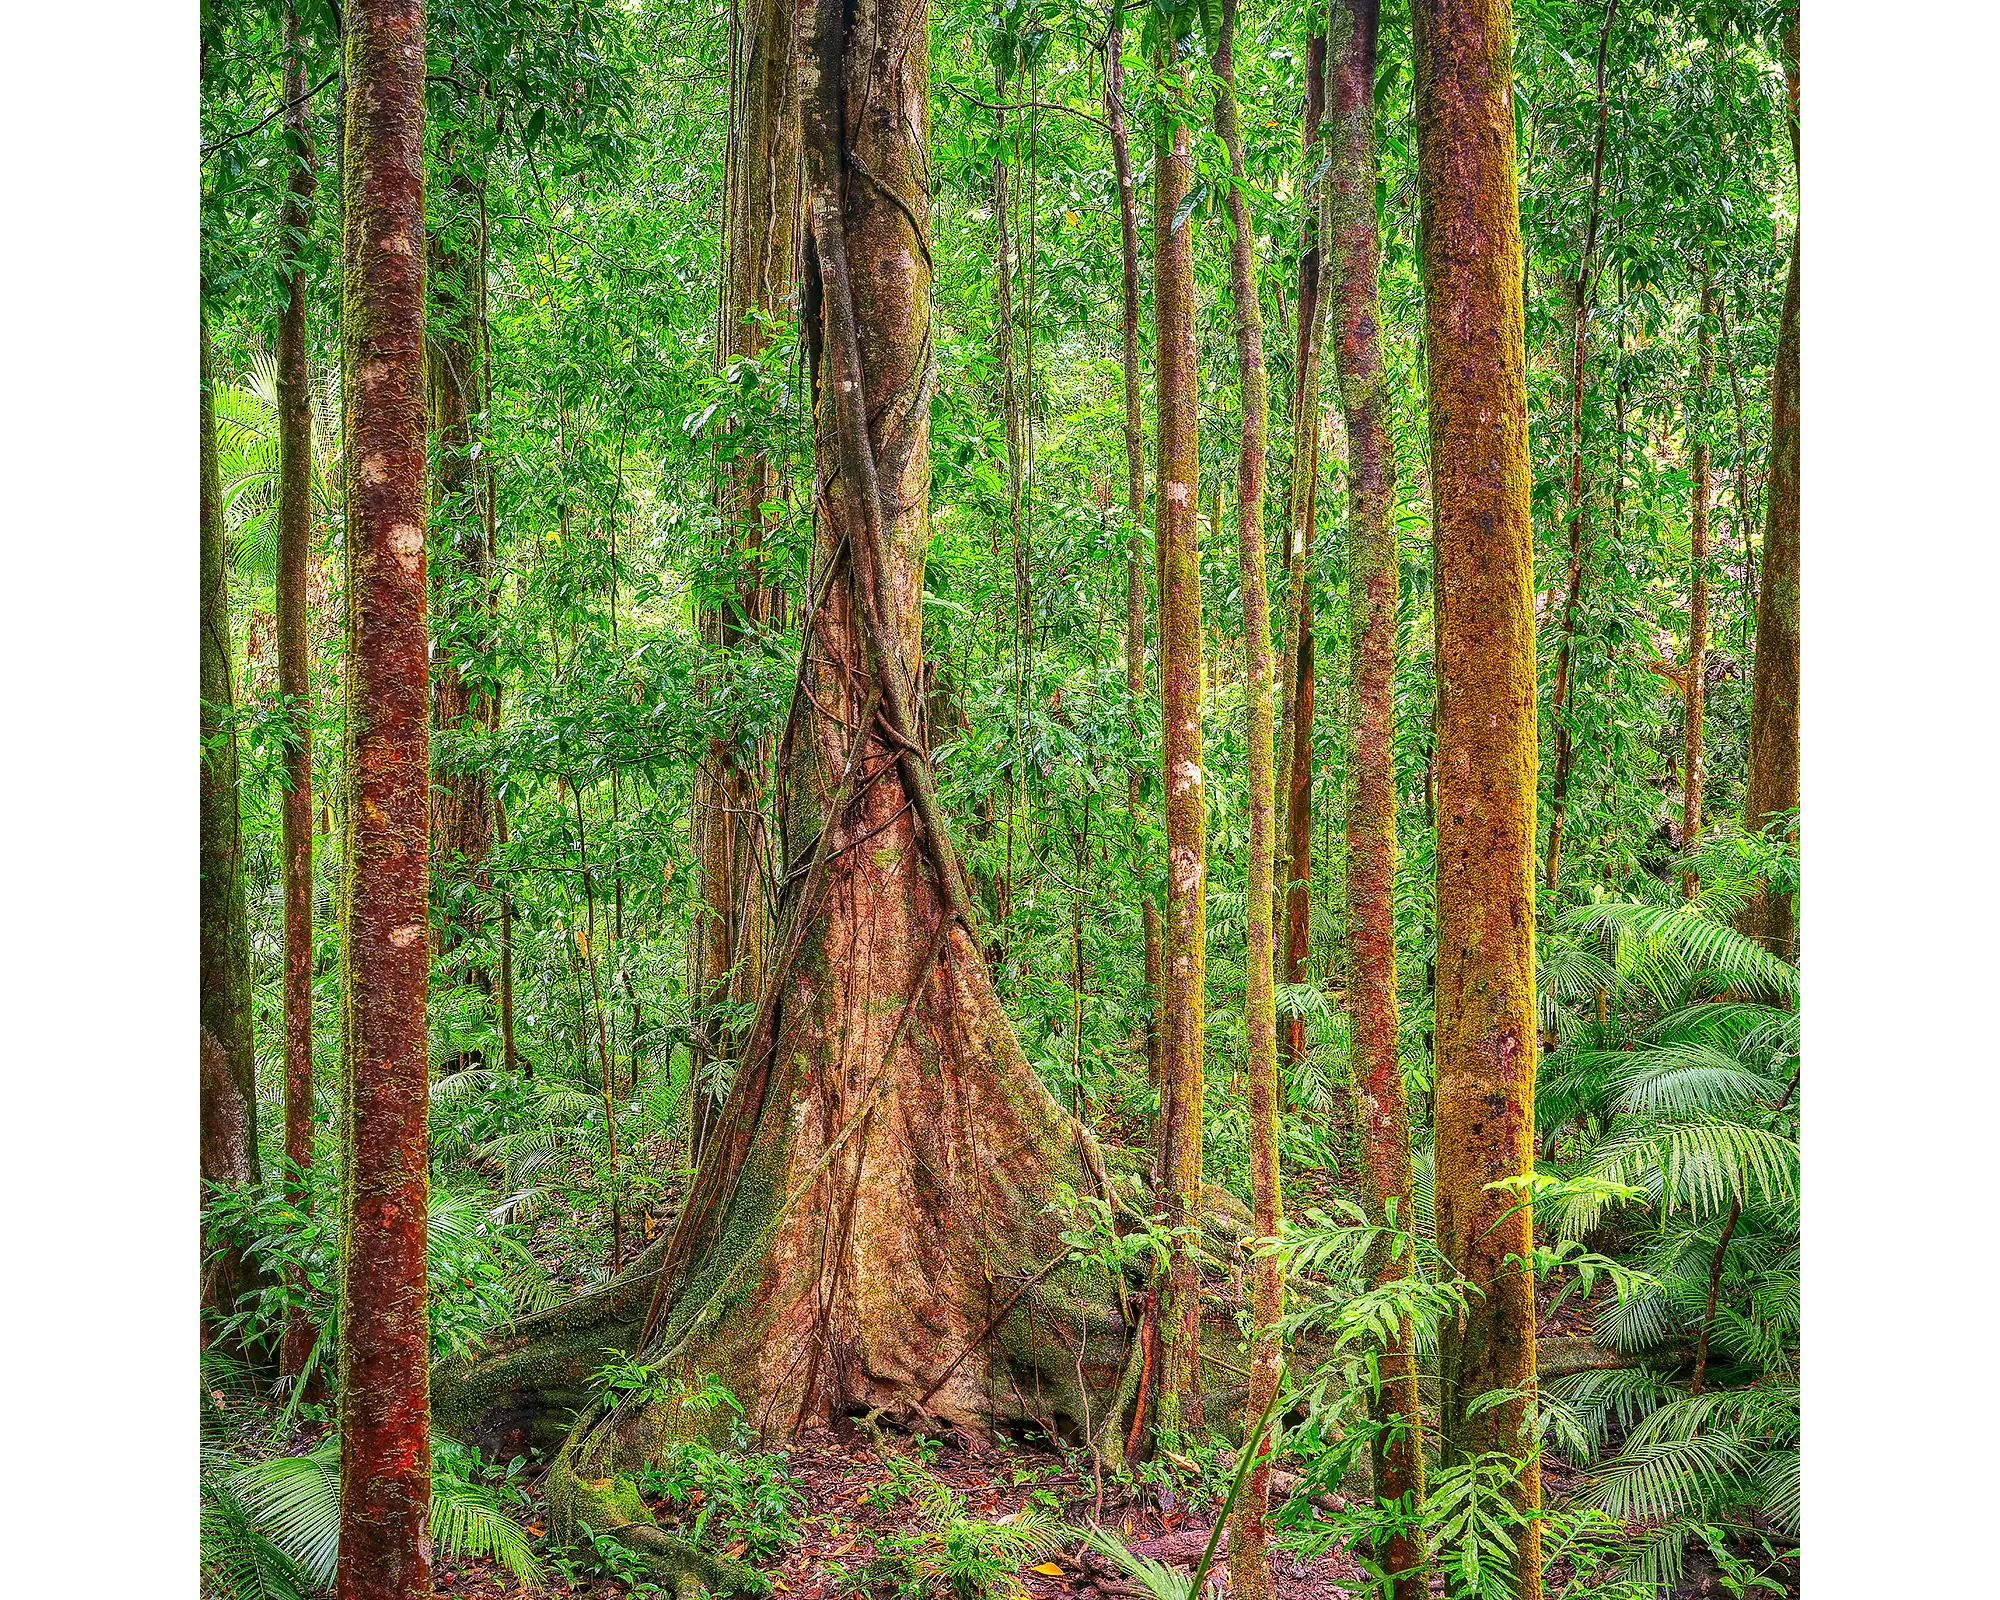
(1249, 1567)
(1295, 689)
(462, 817)
(228, 1064)
(758, 284)
(1174, 1394)
(1697, 646)
(294, 672)
(870, 1228)
(385, 1550)
(1382, 1115)
(1773, 786)
(1135, 494)
(1486, 1022)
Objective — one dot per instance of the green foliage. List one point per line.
(271, 1525)
(947, 1551)
(715, 1496)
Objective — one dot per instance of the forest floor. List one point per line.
(856, 1507)
(854, 1503)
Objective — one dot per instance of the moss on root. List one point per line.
(611, 1507)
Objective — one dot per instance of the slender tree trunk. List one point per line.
(1296, 677)
(1135, 493)
(1743, 500)
(1773, 786)
(294, 671)
(1249, 1565)
(1176, 1391)
(1697, 646)
(228, 1063)
(1382, 1113)
(1580, 297)
(509, 1059)
(759, 284)
(385, 1550)
(1486, 1020)
(462, 817)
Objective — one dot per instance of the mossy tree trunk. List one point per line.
(1773, 786)
(228, 1065)
(385, 1551)
(758, 288)
(1174, 1396)
(1249, 1565)
(1382, 1113)
(876, 1222)
(1295, 721)
(1135, 492)
(294, 665)
(1486, 1022)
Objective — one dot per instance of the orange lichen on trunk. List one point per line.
(1486, 751)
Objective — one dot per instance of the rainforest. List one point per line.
(999, 799)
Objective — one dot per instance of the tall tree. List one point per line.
(1176, 1394)
(1135, 486)
(228, 1064)
(1249, 1564)
(760, 246)
(1382, 1113)
(876, 1222)
(1773, 786)
(1295, 687)
(1697, 646)
(385, 1551)
(1486, 1019)
(294, 662)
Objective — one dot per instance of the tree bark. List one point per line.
(1135, 494)
(1295, 691)
(758, 285)
(385, 1551)
(1486, 1020)
(228, 1063)
(1697, 646)
(1175, 1395)
(294, 670)
(1249, 1565)
(1382, 1114)
(1773, 786)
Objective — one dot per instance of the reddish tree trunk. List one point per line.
(385, 1551)
(1486, 1021)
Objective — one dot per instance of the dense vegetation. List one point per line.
(1243, 807)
